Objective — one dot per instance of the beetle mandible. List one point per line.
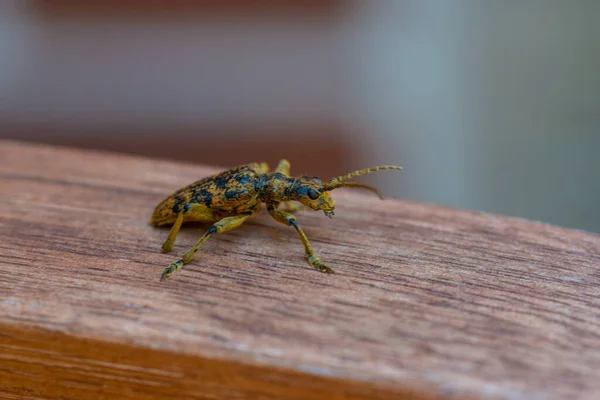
(231, 197)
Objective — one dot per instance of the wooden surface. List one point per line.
(427, 301)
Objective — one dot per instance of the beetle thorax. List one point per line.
(274, 187)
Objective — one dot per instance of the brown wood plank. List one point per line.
(427, 301)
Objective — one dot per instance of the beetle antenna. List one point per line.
(340, 181)
(363, 186)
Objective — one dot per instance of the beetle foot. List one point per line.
(167, 247)
(318, 264)
(171, 269)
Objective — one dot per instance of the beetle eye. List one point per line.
(313, 194)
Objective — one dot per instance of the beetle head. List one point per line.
(309, 191)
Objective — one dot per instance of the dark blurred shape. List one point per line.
(212, 82)
(491, 106)
(315, 151)
(74, 8)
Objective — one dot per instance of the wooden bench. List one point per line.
(427, 302)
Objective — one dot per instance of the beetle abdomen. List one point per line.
(224, 193)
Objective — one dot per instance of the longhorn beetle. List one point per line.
(231, 197)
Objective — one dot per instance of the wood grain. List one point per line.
(427, 302)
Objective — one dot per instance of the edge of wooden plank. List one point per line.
(39, 362)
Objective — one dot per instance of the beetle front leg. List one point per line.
(288, 219)
(223, 225)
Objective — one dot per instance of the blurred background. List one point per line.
(489, 105)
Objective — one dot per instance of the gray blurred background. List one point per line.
(489, 105)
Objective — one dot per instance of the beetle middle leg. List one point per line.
(191, 212)
(292, 207)
(223, 225)
(284, 168)
(288, 219)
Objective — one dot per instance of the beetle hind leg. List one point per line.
(224, 225)
(191, 212)
(167, 246)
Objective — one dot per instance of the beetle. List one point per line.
(231, 197)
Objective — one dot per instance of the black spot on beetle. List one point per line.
(208, 198)
(222, 181)
(232, 194)
(244, 179)
(279, 176)
(179, 201)
(202, 196)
